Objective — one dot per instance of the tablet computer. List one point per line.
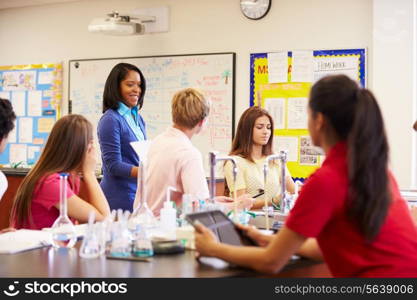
(224, 229)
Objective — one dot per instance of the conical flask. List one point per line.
(90, 247)
(63, 231)
(142, 215)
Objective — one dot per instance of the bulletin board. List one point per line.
(212, 73)
(281, 81)
(35, 92)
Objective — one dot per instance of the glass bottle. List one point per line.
(121, 238)
(142, 215)
(142, 244)
(90, 247)
(63, 231)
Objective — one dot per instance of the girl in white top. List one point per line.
(251, 145)
(7, 117)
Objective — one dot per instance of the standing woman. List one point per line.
(120, 125)
(251, 145)
(350, 208)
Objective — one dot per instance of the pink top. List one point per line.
(173, 161)
(45, 197)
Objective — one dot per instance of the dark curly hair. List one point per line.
(7, 118)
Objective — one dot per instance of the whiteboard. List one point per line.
(214, 74)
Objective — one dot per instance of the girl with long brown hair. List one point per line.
(69, 149)
(251, 145)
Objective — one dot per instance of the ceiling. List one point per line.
(24, 3)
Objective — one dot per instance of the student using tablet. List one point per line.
(173, 161)
(121, 124)
(351, 205)
(253, 142)
(7, 117)
(69, 149)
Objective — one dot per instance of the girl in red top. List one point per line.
(349, 212)
(69, 149)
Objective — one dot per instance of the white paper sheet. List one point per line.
(141, 148)
(23, 239)
(297, 113)
(5, 95)
(17, 153)
(289, 144)
(12, 135)
(276, 108)
(333, 65)
(45, 77)
(45, 124)
(35, 103)
(32, 150)
(25, 130)
(302, 66)
(309, 154)
(19, 103)
(278, 67)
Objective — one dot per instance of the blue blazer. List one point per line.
(115, 135)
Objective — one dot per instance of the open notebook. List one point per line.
(25, 239)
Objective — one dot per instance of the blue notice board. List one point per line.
(35, 92)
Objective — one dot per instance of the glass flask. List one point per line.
(142, 214)
(90, 247)
(63, 231)
(142, 244)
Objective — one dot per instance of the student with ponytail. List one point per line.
(349, 212)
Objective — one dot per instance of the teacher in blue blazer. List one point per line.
(121, 124)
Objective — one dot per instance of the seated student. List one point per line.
(172, 158)
(69, 149)
(7, 117)
(252, 144)
(351, 205)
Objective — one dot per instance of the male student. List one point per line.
(174, 161)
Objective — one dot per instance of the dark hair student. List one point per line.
(355, 117)
(7, 118)
(350, 212)
(112, 95)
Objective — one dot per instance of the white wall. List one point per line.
(58, 32)
(394, 81)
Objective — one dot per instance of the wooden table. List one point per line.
(49, 262)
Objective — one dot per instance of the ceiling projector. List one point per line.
(116, 25)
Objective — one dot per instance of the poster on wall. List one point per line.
(285, 97)
(35, 92)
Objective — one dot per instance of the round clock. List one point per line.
(255, 9)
